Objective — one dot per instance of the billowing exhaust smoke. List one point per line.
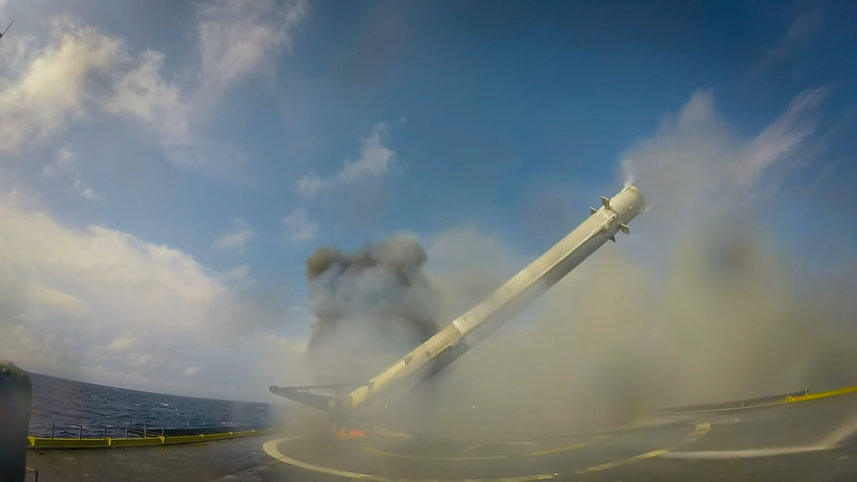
(370, 307)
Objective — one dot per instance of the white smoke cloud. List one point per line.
(699, 305)
(697, 165)
(466, 265)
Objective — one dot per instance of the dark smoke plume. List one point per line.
(370, 307)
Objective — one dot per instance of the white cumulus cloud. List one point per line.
(79, 73)
(39, 101)
(103, 305)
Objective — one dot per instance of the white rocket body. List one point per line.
(506, 301)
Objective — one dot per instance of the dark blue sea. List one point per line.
(68, 404)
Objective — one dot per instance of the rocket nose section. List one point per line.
(627, 204)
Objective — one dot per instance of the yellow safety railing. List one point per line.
(108, 442)
(816, 396)
(802, 396)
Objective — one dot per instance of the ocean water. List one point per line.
(67, 404)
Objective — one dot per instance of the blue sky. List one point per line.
(213, 145)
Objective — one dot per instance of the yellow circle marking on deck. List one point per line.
(557, 450)
(629, 460)
(271, 448)
(699, 430)
(373, 450)
(464, 458)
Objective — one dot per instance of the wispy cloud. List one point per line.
(62, 163)
(138, 360)
(782, 137)
(143, 95)
(65, 166)
(121, 343)
(237, 38)
(374, 160)
(799, 33)
(298, 226)
(238, 278)
(821, 178)
(235, 240)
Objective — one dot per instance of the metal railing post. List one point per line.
(52, 431)
(80, 431)
(144, 430)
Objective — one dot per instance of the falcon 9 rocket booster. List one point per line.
(474, 325)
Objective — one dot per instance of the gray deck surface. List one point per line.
(806, 441)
